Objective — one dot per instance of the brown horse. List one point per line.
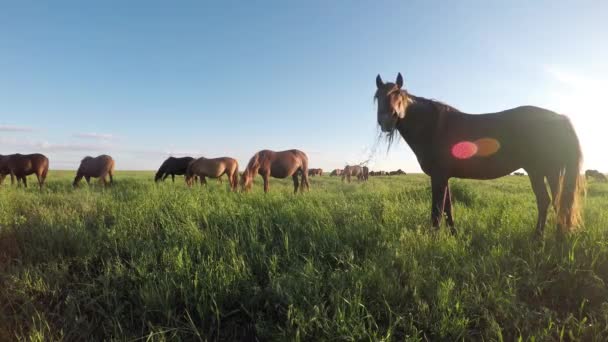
(449, 143)
(595, 174)
(4, 170)
(213, 168)
(365, 173)
(352, 171)
(315, 172)
(98, 167)
(336, 172)
(278, 165)
(23, 165)
(172, 166)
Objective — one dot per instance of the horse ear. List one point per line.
(379, 82)
(399, 80)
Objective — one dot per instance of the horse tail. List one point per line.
(45, 171)
(571, 184)
(111, 171)
(304, 179)
(235, 175)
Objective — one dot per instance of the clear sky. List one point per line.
(142, 80)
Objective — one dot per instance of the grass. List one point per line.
(163, 262)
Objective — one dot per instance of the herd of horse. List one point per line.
(447, 143)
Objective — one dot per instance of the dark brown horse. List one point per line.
(99, 167)
(365, 173)
(315, 172)
(23, 165)
(449, 143)
(595, 174)
(213, 168)
(172, 166)
(352, 171)
(4, 170)
(278, 165)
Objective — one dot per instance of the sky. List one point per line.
(143, 80)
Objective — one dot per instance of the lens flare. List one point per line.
(487, 147)
(464, 150)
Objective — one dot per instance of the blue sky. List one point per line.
(142, 80)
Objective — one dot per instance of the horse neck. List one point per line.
(420, 124)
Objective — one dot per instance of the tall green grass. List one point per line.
(342, 262)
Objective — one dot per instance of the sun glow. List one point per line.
(483, 147)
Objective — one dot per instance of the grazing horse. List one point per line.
(98, 167)
(336, 172)
(280, 164)
(315, 172)
(4, 170)
(365, 173)
(23, 165)
(213, 168)
(172, 166)
(352, 171)
(449, 143)
(595, 174)
(397, 173)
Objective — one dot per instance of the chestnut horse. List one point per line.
(98, 167)
(213, 168)
(352, 171)
(278, 165)
(23, 165)
(172, 166)
(449, 143)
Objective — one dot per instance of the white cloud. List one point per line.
(9, 128)
(97, 136)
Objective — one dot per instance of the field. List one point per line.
(343, 262)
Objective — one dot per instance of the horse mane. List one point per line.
(254, 162)
(86, 158)
(438, 105)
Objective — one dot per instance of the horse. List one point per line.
(172, 166)
(365, 173)
(23, 165)
(315, 172)
(4, 170)
(98, 167)
(595, 174)
(280, 164)
(449, 143)
(213, 168)
(396, 173)
(336, 172)
(352, 171)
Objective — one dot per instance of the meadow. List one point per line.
(349, 262)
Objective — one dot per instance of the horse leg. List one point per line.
(266, 185)
(111, 174)
(295, 182)
(39, 177)
(173, 177)
(2, 178)
(304, 183)
(24, 178)
(203, 180)
(165, 176)
(438, 186)
(553, 180)
(542, 200)
(447, 208)
(88, 179)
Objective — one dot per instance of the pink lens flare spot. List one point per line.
(464, 150)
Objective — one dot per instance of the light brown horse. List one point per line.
(213, 168)
(4, 170)
(23, 165)
(336, 172)
(352, 171)
(98, 167)
(278, 165)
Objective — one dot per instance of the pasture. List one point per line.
(359, 261)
